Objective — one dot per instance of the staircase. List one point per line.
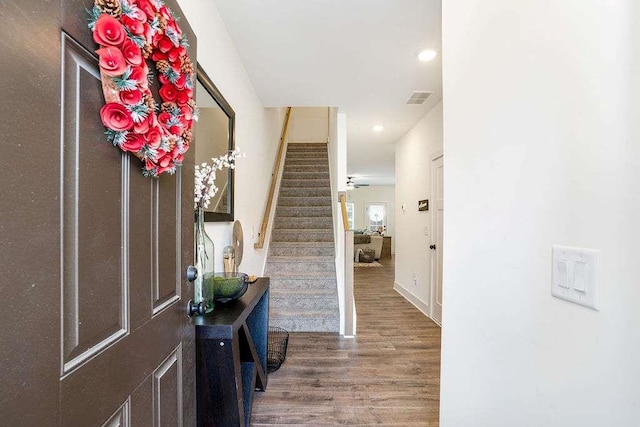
(301, 259)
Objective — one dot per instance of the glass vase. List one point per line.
(203, 285)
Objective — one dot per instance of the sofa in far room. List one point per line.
(367, 241)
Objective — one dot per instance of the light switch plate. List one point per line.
(575, 276)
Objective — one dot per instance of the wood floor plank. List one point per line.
(388, 375)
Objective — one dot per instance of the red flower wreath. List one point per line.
(128, 32)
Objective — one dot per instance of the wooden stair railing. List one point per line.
(274, 180)
(343, 205)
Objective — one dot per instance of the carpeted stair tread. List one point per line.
(305, 175)
(318, 168)
(309, 292)
(305, 322)
(298, 201)
(293, 251)
(296, 154)
(291, 278)
(280, 269)
(302, 283)
(294, 235)
(303, 211)
(299, 223)
(289, 302)
(304, 183)
(305, 192)
(302, 244)
(287, 276)
(300, 259)
(304, 161)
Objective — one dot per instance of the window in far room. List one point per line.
(376, 214)
(350, 210)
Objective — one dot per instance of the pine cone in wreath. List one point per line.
(168, 106)
(187, 66)
(146, 50)
(191, 103)
(112, 7)
(162, 22)
(171, 143)
(187, 136)
(150, 103)
(163, 66)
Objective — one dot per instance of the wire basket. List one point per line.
(277, 341)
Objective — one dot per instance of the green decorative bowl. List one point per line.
(227, 286)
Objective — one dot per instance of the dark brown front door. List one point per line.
(93, 328)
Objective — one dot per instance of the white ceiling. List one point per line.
(358, 55)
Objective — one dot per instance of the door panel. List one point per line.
(437, 176)
(94, 326)
(89, 225)
(167, 391)
(167, 284)
(140, 281)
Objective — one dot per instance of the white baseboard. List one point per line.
(417, 302)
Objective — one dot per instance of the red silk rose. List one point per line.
(131, 97)
(164, 117)
(116, 116)
(168, 92)
(143, 127)
(139, 74)
(165, 44)
(165, 13)
(136, 27)
(182, 80)
(133, 143)
(108, 31)
(183, 98)
(186, 112)
(176, 129)
(112, 62)
(154, 137)
(147, 7)
(157, 55)
(138, 14)
(131, 52)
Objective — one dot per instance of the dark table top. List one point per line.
(226, 319)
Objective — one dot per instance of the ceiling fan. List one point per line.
(351, 185)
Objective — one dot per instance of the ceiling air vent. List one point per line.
(418, 97)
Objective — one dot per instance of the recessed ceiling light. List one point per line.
(378, 128)
(427, 55)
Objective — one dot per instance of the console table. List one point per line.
(231, 357)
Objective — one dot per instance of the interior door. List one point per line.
(437, 170)
(94, 330)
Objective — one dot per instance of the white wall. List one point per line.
(337, 150)
(413, 183)
(257, 130)
(372, 194)
(309, 124)
(542, 131)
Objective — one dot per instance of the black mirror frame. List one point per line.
(222, 102)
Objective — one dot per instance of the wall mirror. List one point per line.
(214, 136)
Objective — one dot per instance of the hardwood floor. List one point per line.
(388, 375)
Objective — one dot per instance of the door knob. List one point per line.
(432, 246)
(192, 273)
(193, 308)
